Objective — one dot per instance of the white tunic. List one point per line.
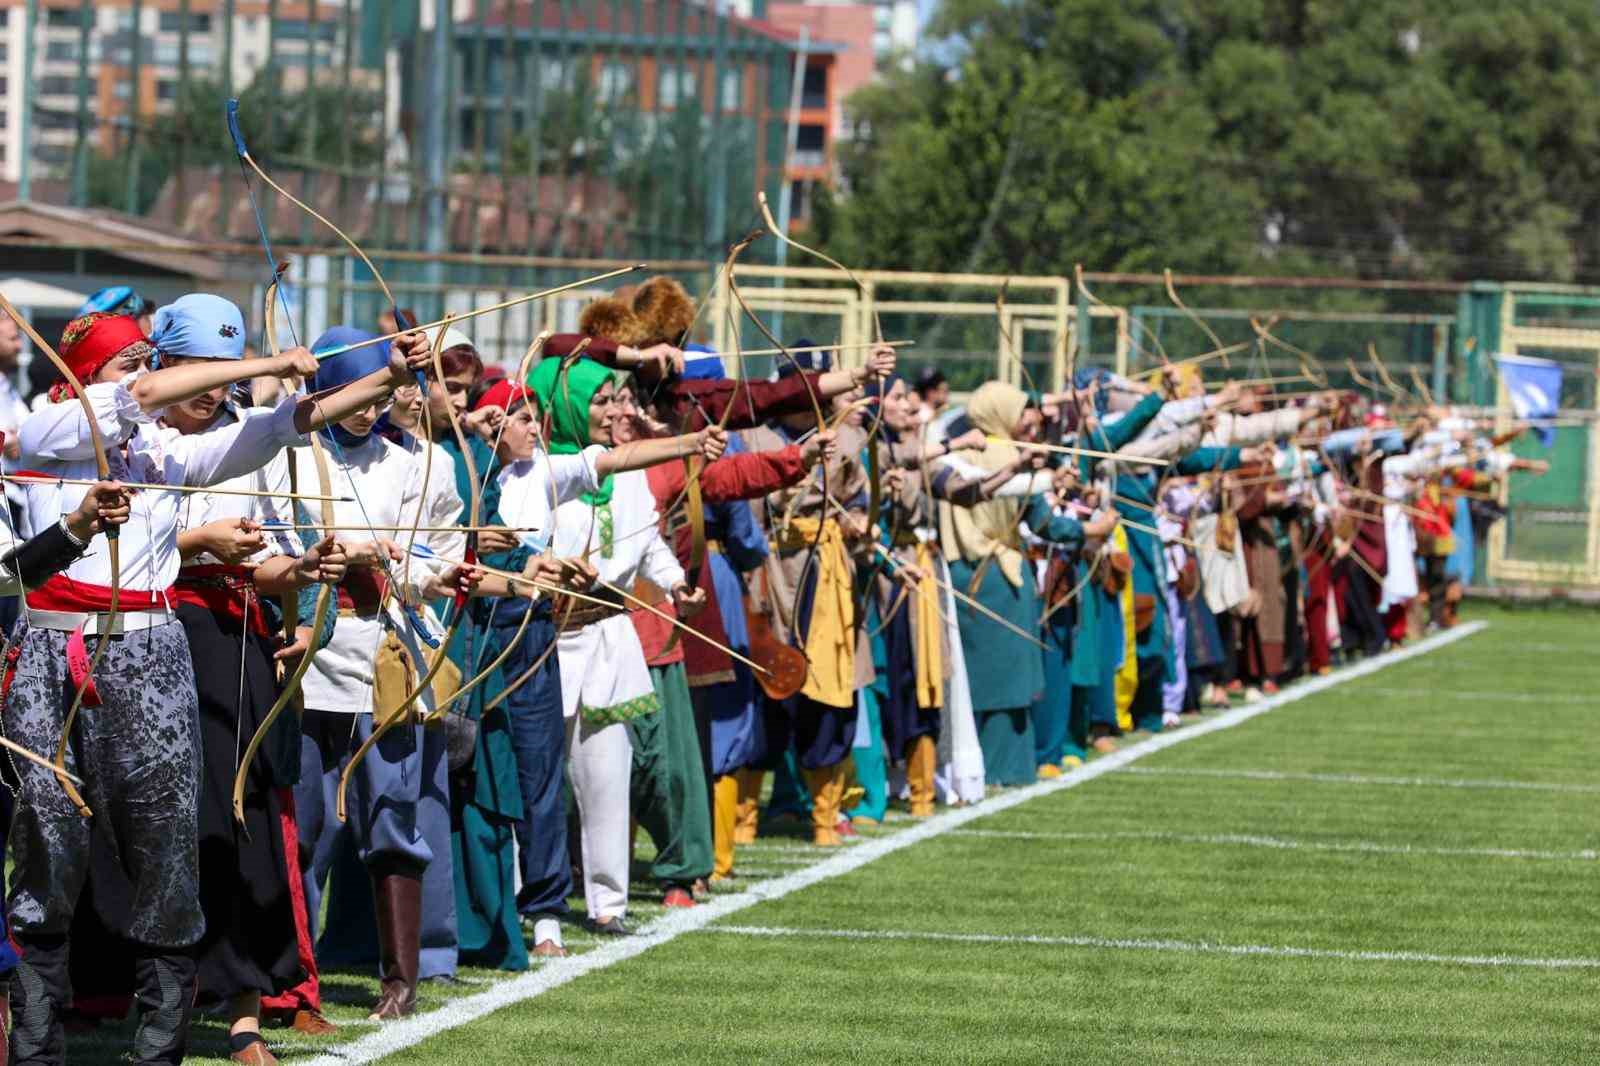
(602, 665)
(56, 442)
(196, 509)
(526, 495)
(385, 483)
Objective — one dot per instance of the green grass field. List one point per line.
(1396, 870)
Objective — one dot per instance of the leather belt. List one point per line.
(127, 621)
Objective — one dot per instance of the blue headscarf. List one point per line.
(115, 300)
(818, 361)
(702, 364)
(346, 367)
(198, 325)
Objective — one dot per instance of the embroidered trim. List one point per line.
(626, 711)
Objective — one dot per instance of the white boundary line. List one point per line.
(1188, 947)
(397, 1036)
(1246, 774)
(1251, 840)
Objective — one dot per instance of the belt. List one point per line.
(584, 614)
(127, 621)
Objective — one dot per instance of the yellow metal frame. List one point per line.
(1501, 567)
(1033, 304)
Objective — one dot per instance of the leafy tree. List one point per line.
(1376, 137)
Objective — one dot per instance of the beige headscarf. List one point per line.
(989, 530)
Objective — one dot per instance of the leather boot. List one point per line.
(826, 786)
(399, 905)
(919, 775)
(724, 820)
(165, 982)
(40, 989)
(750, 782)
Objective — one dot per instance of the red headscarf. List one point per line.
(503, 394)
(90, 342)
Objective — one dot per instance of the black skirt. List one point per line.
(249, 943)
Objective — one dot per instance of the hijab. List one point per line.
(988, 530)
(344, 368)
(566, 393)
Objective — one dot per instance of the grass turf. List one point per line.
(1192, 846)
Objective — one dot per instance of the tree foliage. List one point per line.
(1369, 137)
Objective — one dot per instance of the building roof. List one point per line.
(36, 295)
(101, 231)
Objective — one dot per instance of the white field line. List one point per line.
(1250, 840)
(1186, 947)
(1243, 774)
(408, 1032)
(1487, 697)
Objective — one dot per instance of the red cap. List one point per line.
(91, 341)
(504, 394)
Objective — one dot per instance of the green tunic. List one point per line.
(487, 801)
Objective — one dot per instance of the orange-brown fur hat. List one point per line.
(611, 319)
(665, 309)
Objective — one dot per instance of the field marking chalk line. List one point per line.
(408, 1032)
(1249, 774)
(1257, 840)
(1188, 947)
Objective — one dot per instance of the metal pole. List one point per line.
(135, 68)
(80, 147)
(434, 150)
(790, 142)
(25, 117)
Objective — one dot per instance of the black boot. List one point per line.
(40, 989)
(164, 983)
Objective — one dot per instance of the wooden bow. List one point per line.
(326, 598)
(102, 464)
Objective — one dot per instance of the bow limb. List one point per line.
(320, 616)
(1216, 342)
(102, 463)
(1308, 363)
(527, 615)
(1077, 277)
(443, 651)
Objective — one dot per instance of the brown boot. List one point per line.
(724, 823)
(827, 787)
(750, 782)
(399, 905)
(919, 775)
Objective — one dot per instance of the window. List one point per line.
(65, 16)
(814, 88)
(172, 22)
(61, 51)
(300, 30)
(166, 90)
(552, 74)
(122, 90)
(5, 49)
(732, 88)
(616, 82)
(5, 120)
(674, 85)
(58, 85)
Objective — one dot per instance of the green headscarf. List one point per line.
(567, 394)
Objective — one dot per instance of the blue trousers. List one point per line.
(539, 738)
(399, 816)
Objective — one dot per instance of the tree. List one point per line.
(1376, 137)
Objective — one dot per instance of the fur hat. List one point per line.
(610, 319)
(664, 307)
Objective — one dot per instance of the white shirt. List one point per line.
(637, 548)
(56, 441)
(196, 509)
(526, 489)
(384, 481)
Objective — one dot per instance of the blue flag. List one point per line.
(1534, 386)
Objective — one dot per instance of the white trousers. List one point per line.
(600, 759)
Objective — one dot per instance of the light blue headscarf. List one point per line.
(198, 325)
